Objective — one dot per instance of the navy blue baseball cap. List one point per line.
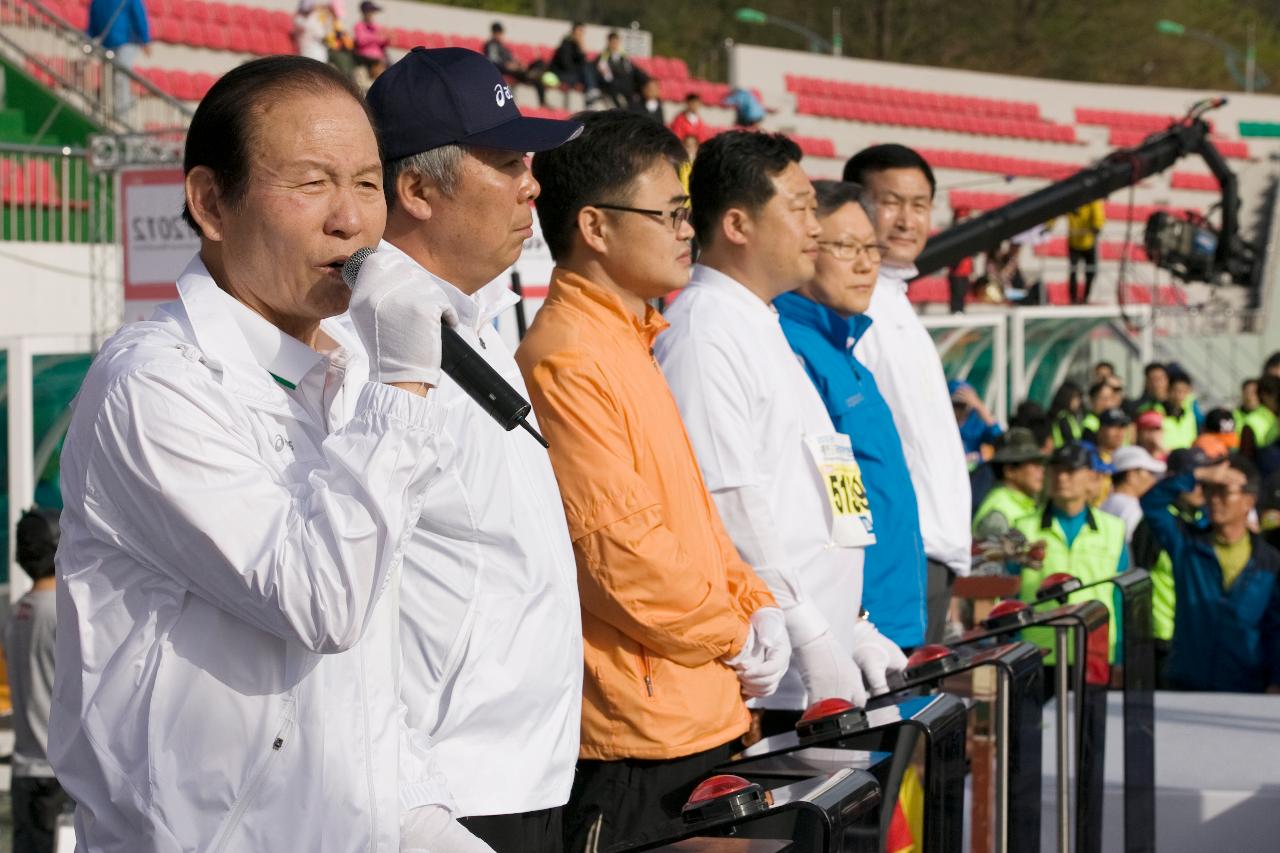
(454, 96)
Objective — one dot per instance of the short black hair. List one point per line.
(1253, 479)
(692, 96)
(221, 133)
(1108, 365)
(1097, 388)
(1177, 374)
(736, 169)
(880, 158)
(833, 195)
(1272, 362)
(36, 541)
(599, 166)
(613, 34)
(1155, 365)
(497, 28)
(1252, 380)
(1269, 385)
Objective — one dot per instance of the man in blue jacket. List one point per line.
(121, 26)
(823, 320)
(1226, 633)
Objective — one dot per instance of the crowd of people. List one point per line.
(299, 565)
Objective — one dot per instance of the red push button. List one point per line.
(830, 718)
(1008, 614)
(931, 661)
(724, 796)
(1057, 585)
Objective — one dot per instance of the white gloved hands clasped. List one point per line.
(431, 829)
(765, 656)
(828, 671)
(396, 308)
(876, 655)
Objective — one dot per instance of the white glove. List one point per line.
(828, 671)
(431, 829)
(396, 308)
(876, 655)
(766, 654)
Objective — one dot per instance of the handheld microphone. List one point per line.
(466, 367)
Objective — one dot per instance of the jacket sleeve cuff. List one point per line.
(430, 792)
(805, 623)
(379, 400)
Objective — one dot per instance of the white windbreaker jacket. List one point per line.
(901, 354)
(491, 627)
(227, 651)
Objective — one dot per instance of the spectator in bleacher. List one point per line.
(677, 627)
(1227, 580)
(1265, 450)
(1253, 416)
(619, 78)
(1155, 386)
(650, 102)
(371, 40)
(492, 642)
(1271, 367)
(1084, 224)
(1104, 370)
(823, 320)
(978, 427)
(898, 187)
(1104, 395)
(748, 112)
(1180, 428)
(1220, 424)
(1028, 415)
(37, 797)
(500, 55)
(785, 482)
(341, 45)
(1148, 429)
(1065, 413)
(1018, 465)
(1135, 472)
(121, 26)
(688, 126)
(570, 65)
(311, 27)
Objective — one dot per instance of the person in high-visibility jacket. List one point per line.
(1180, 427)
(1083, 225)
(1253, 415)
(1019, 468)
(1079, 539)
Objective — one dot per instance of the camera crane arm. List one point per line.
(1119, 169)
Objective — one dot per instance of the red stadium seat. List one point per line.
(1194, 181)
(216, 37)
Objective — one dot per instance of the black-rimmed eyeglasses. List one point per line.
(678, 215)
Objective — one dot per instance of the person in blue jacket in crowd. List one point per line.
(977, 425)
(1226, 634)
(822, 322)
(121, 26)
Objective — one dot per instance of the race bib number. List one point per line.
(851, 522)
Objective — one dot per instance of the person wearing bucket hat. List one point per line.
(490, 619)
(1018, 464)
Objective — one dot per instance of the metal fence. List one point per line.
(84, 75)
(50, 195)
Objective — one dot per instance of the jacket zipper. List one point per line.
(242, 805)
(648, 672)
(368, 752)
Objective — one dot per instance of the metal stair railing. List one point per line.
(84, 75)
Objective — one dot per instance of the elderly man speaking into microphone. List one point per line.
(490, 625)
(240, 477)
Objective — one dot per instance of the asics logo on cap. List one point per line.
(502, 94)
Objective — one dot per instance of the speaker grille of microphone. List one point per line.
(351, 269)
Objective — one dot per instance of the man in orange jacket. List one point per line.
(676, 627)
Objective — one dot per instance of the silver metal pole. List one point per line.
(1064, 741)
(1004, 685)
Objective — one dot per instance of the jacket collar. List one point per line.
(1047, 517)
(476, 309)
(711, 279)
(234, 337)
(842, 332)
(593, 300)
(894, 277)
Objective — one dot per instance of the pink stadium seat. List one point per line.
(259, 42)
(216, 37)
(1194, 181)
(219, 13)
(28, 182)
(197, 10)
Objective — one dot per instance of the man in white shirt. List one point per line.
(898, 188)
(240, 476)
(490, 621)
(784, 480)
(1136, 471)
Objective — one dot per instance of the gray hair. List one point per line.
(441, 166)
(833, 195)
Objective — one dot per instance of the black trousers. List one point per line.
(526, 832)
(625, 800)
(1088, 258)
(938, 582)
(37, 802)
